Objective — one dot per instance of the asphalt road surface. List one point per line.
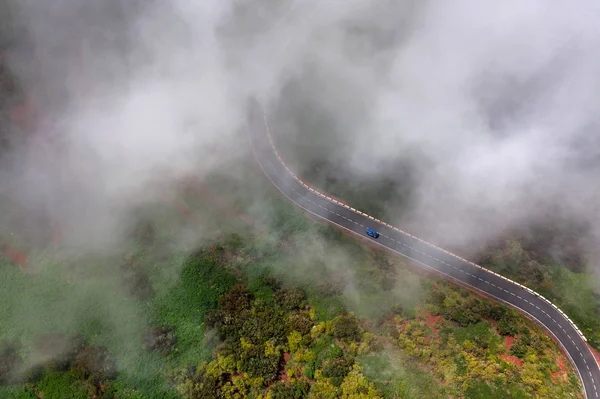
(423, 253)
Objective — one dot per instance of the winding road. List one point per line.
(423, 253)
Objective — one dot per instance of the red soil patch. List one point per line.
(17, 257)
(560, 362)
(508, 341)
(560, 373)
(512, 360)
(432, 321)
(283, 376)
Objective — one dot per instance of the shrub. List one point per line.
(300, 322)
(519, 348)
(290, 298)
(464, 317)
(337, 369)
(309, 370)
(161, 339)
(271, 282)
(286, 390)
(236, 300)
(94, 363)
(507, 325)
(346, 327)
(329, 288)
(259, 365)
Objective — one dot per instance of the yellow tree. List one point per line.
(356, 386)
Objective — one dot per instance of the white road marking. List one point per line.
(445, 263)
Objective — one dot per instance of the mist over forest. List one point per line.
(128, 183)
(463, 123)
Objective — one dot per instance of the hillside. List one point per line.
(293, 309)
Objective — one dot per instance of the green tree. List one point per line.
(300, 322)
(259, 365)
(356, 386)
(463, 316)
(346, 327)
(519, 348)
(161, 339)
(95, 363)
(290, 298)
(285, 390)
(337, 369)
(507, 325)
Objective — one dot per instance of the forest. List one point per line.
(247, 318)
(248, 315)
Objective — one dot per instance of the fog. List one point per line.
(481, 116)
(491, 107)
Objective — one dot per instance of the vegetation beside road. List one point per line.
(293, 310)
(300, 310)
(546, 259)
(571, 290)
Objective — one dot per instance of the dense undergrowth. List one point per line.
(301, 311)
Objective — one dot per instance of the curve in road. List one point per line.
(423, 253)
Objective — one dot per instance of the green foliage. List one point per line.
(258, 365)
(461, 364)
(399, 377)
(565, 283)
(204, 280)
(185, 304)
(161, 339)
(329, 288)
(290, 298)
(464, 317)
(493, 311)
(202, 385)
(337, 368)
(525, 335)
(63, 385)
(285, 390)
(519, 348)
(95, 363)
(256, 319)
(508, 325)
(481, 334)
(483, 390)
(18, 392)
(309, 370)
(300, 322)
(346, 327)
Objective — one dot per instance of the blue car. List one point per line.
(372, 233)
